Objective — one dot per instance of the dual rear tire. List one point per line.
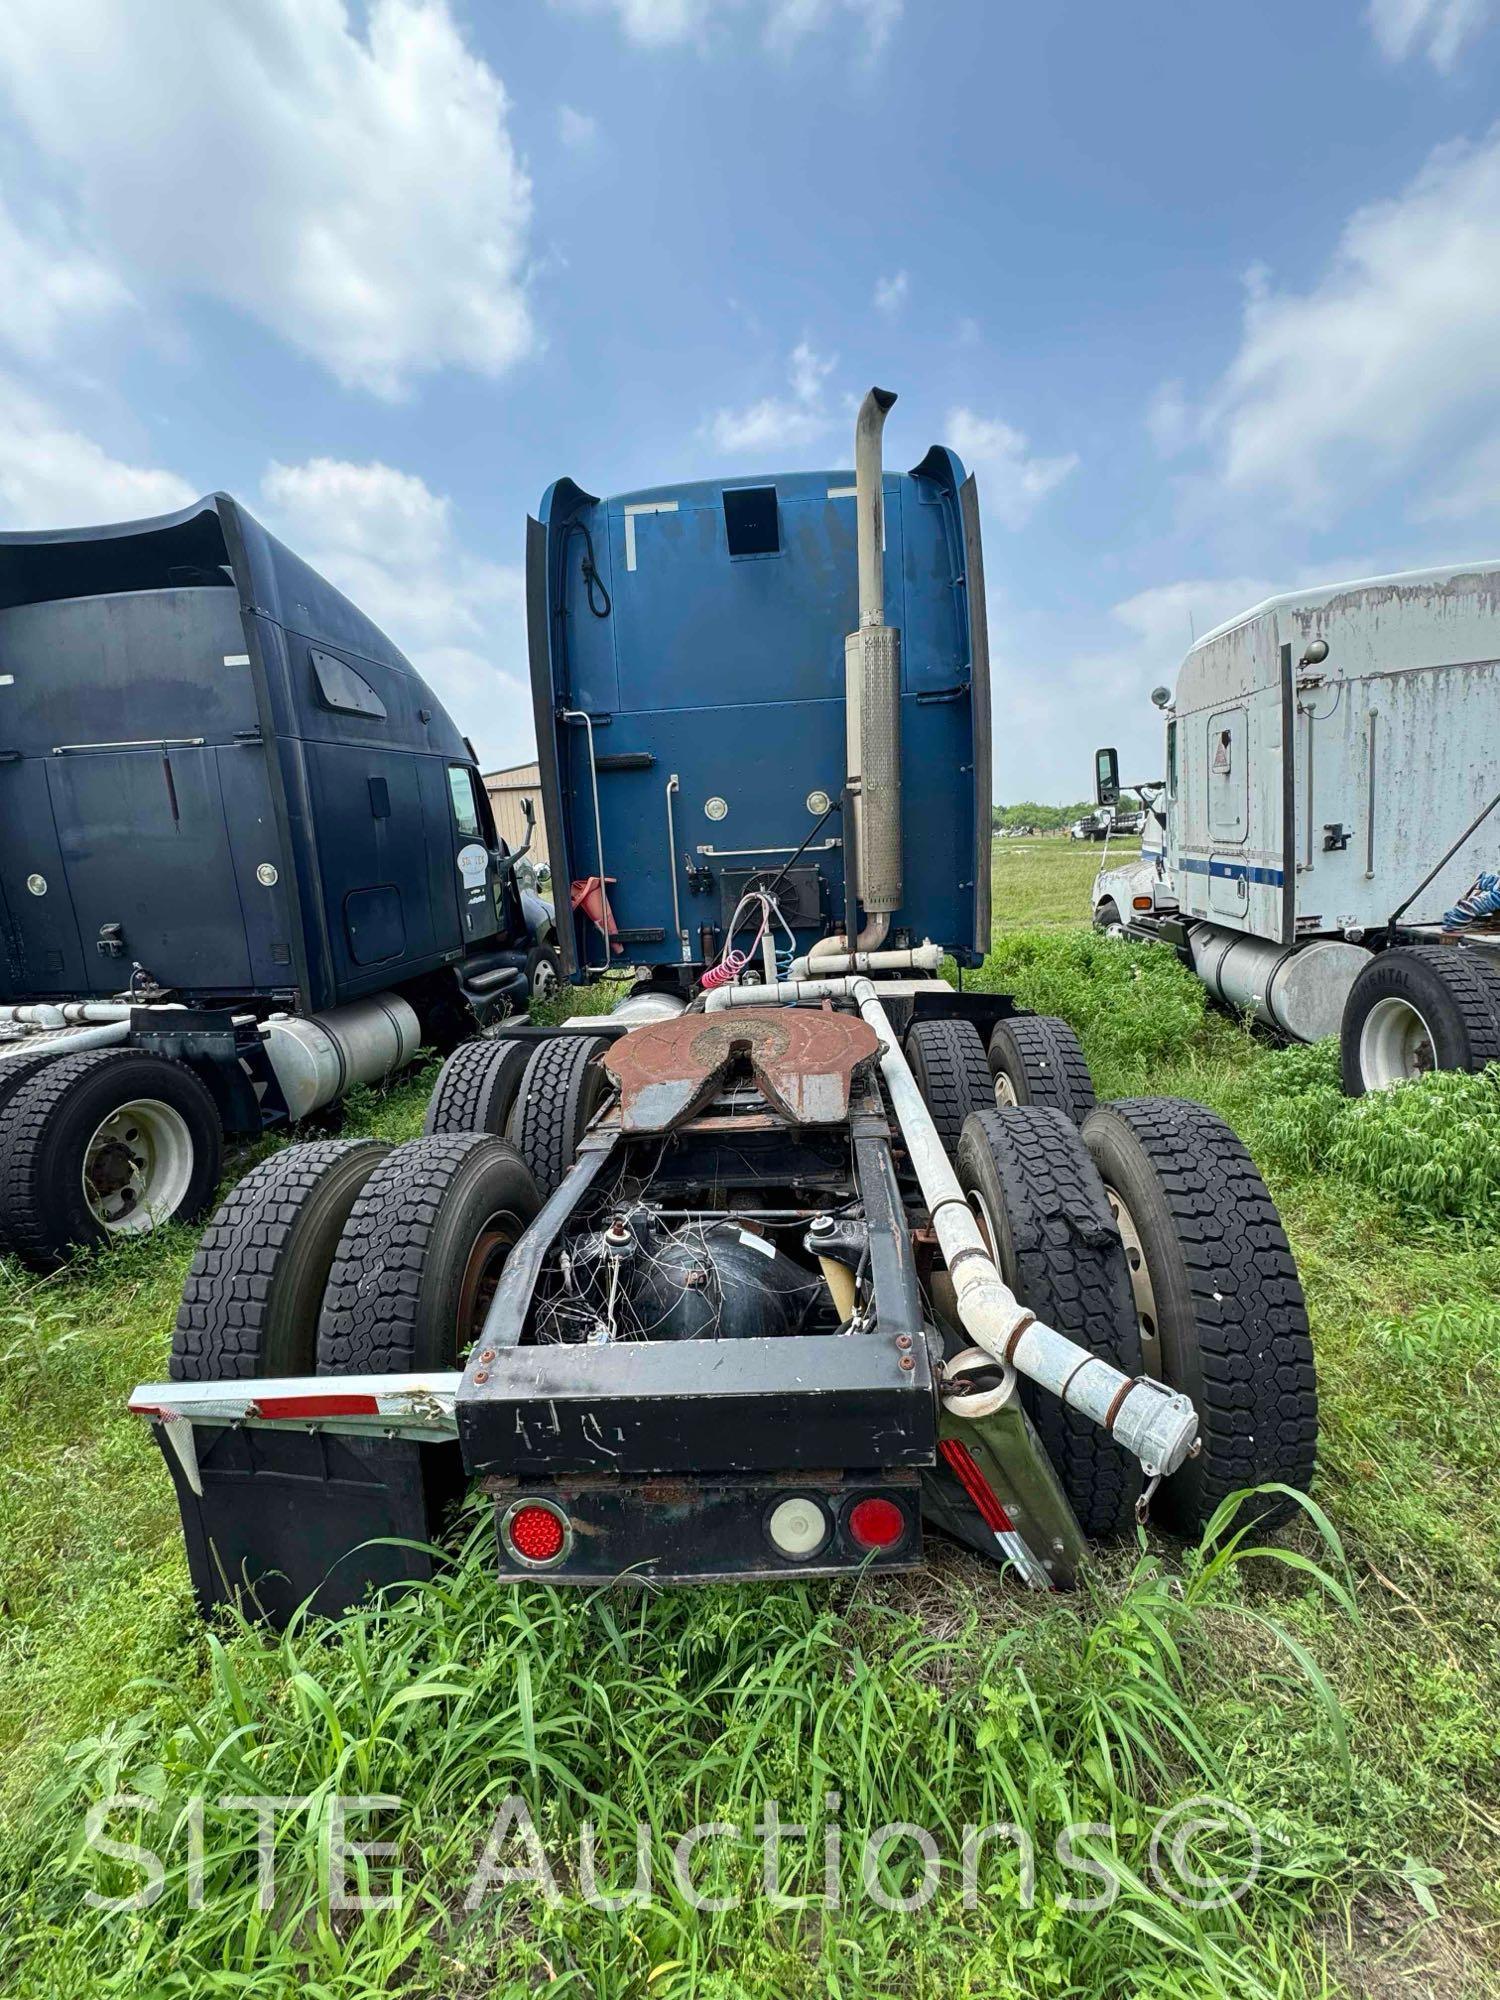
(1149, 1238)
(353, 1257)
(542, 1095)
(101, 1146)
(1417, 1008)
(1032, 1059)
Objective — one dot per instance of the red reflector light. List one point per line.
(330, 1405)
(875, 1523)
(960, 1462)
(536, 1533)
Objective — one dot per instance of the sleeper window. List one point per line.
(343, 690)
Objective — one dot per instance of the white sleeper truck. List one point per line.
(1332, 774)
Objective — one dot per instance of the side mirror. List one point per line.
(528, 811)
(1106, 777)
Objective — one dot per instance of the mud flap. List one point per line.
(289, 1517)
(993, 1489)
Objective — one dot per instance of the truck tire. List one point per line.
(103, 1144)
(948, 1061)
(1037, 1059)
(1042, 1205)
(476, 1087)
(1415, 1008)
(1220, 1304)
(561, 1090)
(1107, 917)
(420, 1255)
(255, 1287)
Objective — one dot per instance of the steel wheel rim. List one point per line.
(1005, 1091)
(1395, 1044)
(481, 1279)
(1141, 1289)
(544, 980)
(137, 1166)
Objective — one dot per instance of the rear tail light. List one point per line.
(536, 1533)
(798, 1526)
(875, 1523)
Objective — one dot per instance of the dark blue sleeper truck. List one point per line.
(246, 862)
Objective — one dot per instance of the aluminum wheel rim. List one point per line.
(1141, 1289)
(137, 1166)
(1395, 1044)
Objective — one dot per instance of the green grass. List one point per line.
(1346, 1697)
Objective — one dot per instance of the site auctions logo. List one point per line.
(1204, 1853)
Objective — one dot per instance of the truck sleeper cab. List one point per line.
(1330, 795)
(241, 836)
(746, 1280)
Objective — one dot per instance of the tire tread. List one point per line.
(1071, 1272)
(1256, 1352)
(226, 1297)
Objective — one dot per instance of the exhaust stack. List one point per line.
(872, 681)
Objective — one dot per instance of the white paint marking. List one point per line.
(851, 493)
(642, 507)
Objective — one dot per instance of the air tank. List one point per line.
(1299, 988)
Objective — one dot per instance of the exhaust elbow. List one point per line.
(869, 503)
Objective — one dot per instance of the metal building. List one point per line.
(507, 788)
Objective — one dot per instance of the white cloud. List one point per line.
(350, 184)
(577, 130)
(52, 476)
(780, 423)
(786, 23)
(1392, 354)
(1470, 491)
(50, 285)
(1099, 692)
(1167, 618)
(389, 542)
(1011, 481)
(890, 293)
(1439, 28)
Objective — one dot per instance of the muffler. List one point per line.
(872, 703)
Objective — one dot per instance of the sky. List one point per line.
(1207, 296)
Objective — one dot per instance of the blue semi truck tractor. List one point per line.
(801, 1251)
(246, 862)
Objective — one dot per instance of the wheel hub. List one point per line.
(137, 1166)
(1395, 1044)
